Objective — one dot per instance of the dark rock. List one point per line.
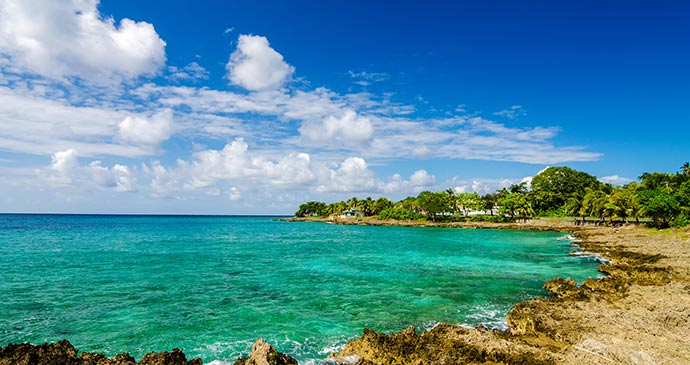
(265, 354)
(176, 357)
(63, 353)
(26, 354)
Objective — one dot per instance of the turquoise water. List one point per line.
(213, 285)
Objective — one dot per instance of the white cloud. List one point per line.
(480, 186)
(367, 78)
(242, 169)
(66, 171)
(40, 126)
(256, 66)
(190, 72)
(353, 175)
(117, 178)
(63, 38)
(422, 178)
(326, 116)
(234, 194)
(163, 180)
(349, 128)
(146, 132)
(64, 162)
(514, 112)
(615, 180)
(419, 181)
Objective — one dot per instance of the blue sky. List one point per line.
(224, 107)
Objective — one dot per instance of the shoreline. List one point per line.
(637, 313)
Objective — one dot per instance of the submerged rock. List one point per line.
(63, 353)
(264, 354)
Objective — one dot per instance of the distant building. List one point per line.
(352, 212)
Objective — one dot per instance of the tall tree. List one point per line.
(514, 204)
(434, 204)
(468, 202)
(553, 187)
(312, 208)
(489, 202)
(661, 206)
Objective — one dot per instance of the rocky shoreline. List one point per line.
(639, 313)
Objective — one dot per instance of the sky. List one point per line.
(229, 107)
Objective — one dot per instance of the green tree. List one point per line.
(685, 169)
(336, 208)
(434, 204)
(489, 202)
(452, 200)
(366, 206)
(513, 204)
(381, 204)
(312, 208)
(553, 187)
(467, 202)
(594, 204)
(661, 206)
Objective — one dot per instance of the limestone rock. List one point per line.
(264, 354)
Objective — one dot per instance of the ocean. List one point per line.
(212, 285)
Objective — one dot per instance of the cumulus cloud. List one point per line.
(240, 169)
(66, 171)
(256, 66)
(235, 163)
(419, 181)
(353, 175)
(480, 186)
(146, 132)
(349, 128)
(64, 162)
(63, 38)
(615, 180)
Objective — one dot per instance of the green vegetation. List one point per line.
(658, 199)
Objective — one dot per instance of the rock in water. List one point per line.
(26, 354)
(63, 353)
(265, 354)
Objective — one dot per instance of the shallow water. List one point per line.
(213, 285)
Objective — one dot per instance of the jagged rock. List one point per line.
(26, 354)
(63, 353)
(443, 345)
(264, 354)
(176, 357)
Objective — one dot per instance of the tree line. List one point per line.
(659, 199)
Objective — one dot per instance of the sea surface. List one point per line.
(213, 285)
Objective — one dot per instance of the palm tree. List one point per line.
(685, 169)
(452, 200)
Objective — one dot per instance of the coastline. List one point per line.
(638, 313)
